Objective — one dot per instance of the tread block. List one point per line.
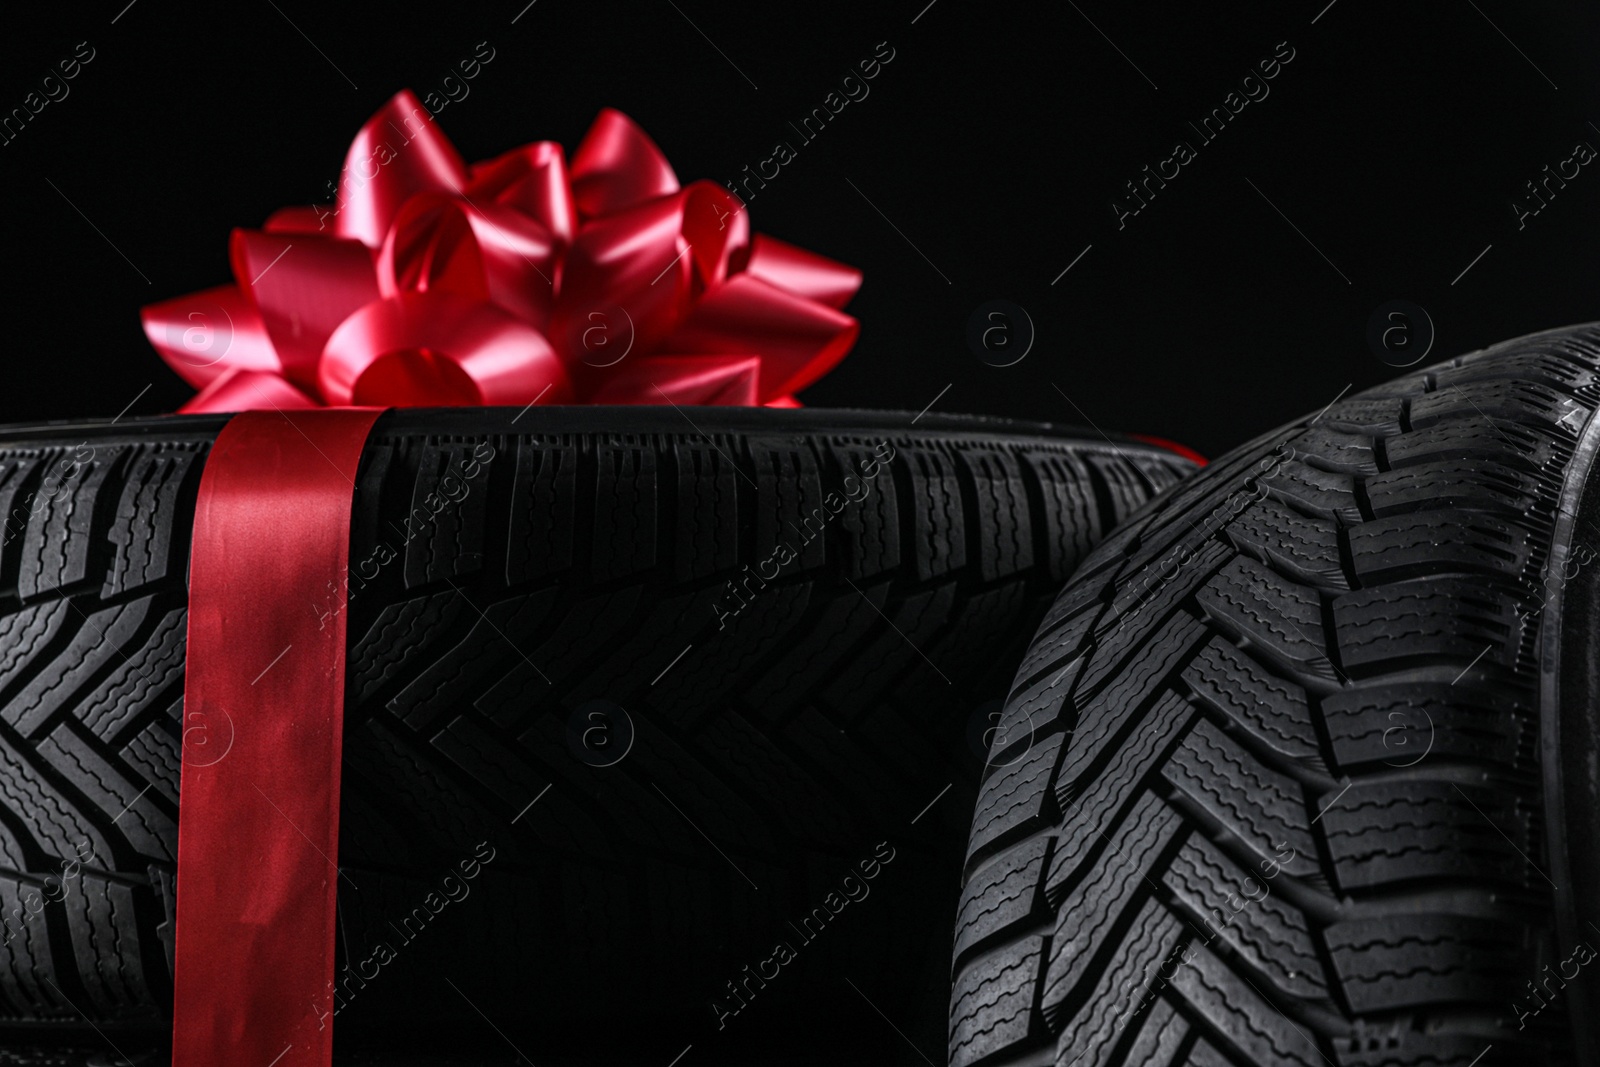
(1072, 516)
(1273, 711)
(1448, 539)
(1160, 471)
(164, 886)
(1125, 639)
(821, 745)
(1100, 805)
(765, 629)
(494, 765)
(1334, 449)
(733, 819)
(1123, 483)
(100, 637)
(12, 855)
(1454, 620)
(18, 470)
(1082, 597)
(29, 978)
(1132, 979)
(1160, 1036)
(896, 648)
(1563, 363)
(625, 505)
(1476, 485)
(26, 635)
(792, 496)
(401, 630)
(1166, 579)
(60, 541)
(797, 801)
(1392, 963)
(1103, 564)
(868, 532)
(367, 529)
(498, 635)
(1383, 415)
(1172, 515)
(49, 816)
(1324, 494)
(103, 923)
(1062, 633)
(1089, 912)
(1119, 708)
(1387, 833)
(1239, 1016)
(707, 533)
(1204, 1054)
(1498, 399)
(1283, 619)
(684, 797)
(443, 530)
(1032, 710)
(843, 624)
(939, 534)
(1238, 907)
(1263, 809)
(1001, 522)
(1400, 724)
(1013, 799)
(155, 752)
(1509, 443)
(588, 624)
(151, 831)
(544, 505)
(654, 640)
(1006, 893)
(380, 760)
(150, 675)
(991, 1006)
(149, 529)
(1301, 547)
(976, 636)
(1396, 1042)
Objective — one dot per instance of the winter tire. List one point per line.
(662, 680)
(1311, 770)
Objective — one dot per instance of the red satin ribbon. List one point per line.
(258, 830)
(513, 281)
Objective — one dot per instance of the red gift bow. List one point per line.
(509, 282)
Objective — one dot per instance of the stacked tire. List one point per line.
(581, 667)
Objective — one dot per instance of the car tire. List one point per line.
(1302, 766)
(578, 665)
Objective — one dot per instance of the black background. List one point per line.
(995, 141)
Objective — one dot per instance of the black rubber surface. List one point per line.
(607, 741)
(1279, 782)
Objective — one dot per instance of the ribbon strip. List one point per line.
(258, 829)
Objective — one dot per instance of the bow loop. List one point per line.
(717, 230)
(618, 167)
(533, 180)
(397, 154)
(425, 349)
(304, 287)
(495, 254)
